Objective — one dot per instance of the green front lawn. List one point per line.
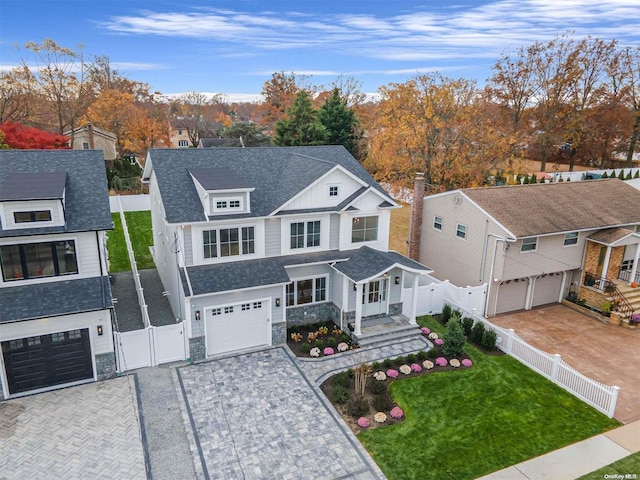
(626, 466)
(468, 423)
(141, 233)
(118, 257)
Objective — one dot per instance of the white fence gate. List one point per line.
(150, 346)
(432, 292)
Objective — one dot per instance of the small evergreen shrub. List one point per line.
(400, 360)
(621, 174)
(341, 380)
(351, 372)
(319, 343)
(637, 175)
(422, 355)
(358, 407)
(375, 366)
(345, 338)
(454, 339)
(446, 313)
(378, 387)
(387, 363)
(411, 358)
(477, 332)
(339, 394)
(489, 340)
(467, 325)
(382, 403)
(305, 347)
(294, 329)
(332, 342)
(433, 353)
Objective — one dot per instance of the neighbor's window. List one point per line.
(529, 244)
(437, 223)
(34, 216)
(183, 143)
(305, 234)
(570, 238)
(37, 260)
(461, 231)
(364, 229)
(85, 145)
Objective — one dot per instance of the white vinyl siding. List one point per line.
(461, 231)
(437, 223)
(529, 244)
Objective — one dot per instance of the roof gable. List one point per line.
(213, 179)
(542, 209)
(33, 186)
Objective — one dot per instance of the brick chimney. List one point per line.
(415, 226)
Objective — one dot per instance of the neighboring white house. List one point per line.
(532, 244)
(55, 298)
(250, 240)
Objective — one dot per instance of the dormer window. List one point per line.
(228, 204)
(34, 216)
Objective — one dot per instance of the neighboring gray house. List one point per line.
(250, 240)
(55, 298)
(533, 244)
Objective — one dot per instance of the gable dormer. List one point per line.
(221, 191)
(33, 200)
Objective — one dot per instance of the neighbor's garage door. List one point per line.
(47, 360)
(237, 327)
(511, 296)
(547, 290)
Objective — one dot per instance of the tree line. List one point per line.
(567, 100)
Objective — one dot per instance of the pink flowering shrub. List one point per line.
(328, 351)
(439, 342)
(392, 373)
(425, 331)
(415, 367)
(466, 362)
(396, 412)
(441, 362)
(363, 422)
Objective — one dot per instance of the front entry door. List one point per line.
(374, 298)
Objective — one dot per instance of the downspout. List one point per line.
(100, 252)
(493, 262)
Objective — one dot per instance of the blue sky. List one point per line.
(233, 47)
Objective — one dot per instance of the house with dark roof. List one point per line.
(55, 298)
(537, 244)
(249, 241)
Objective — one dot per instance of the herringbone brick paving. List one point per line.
(84, 432)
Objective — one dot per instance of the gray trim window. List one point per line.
(38, 260)
(461, 231)
(308, 290)
(228, 242)
(364, 229)
(570, 238)
(305, 234)
(33, 216)
(437, 223)
(529, 244)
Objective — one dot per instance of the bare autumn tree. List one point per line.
(279, 93)
(189, 113)
(18, 97)
(62, 76)
(630, 69)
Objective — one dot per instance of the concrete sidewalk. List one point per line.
(576, 460)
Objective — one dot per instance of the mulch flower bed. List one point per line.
(318, 340)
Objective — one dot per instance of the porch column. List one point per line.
(605, 266)
(414, 299)
(528, 301)
(634, 269)
(345, 300)
(357, 330)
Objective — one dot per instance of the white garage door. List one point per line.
(546, 290)
(238, 327)
(511, 296)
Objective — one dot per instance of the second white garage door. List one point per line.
(511, 296)
(547, 289)
(238, 327)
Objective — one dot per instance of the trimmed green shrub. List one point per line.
(637, 175)
(477, 332)
(628, 177)
(467, 325)
(422, 355)
(376, 387)
(387, 363)
(345, 338)
(400, 360)
(411, 358)
(358, 407)
(446, 313)
(621, 174)
(604, 175)
(339, 394)
(489, 340)
(454, 339)
(433, 353)
(319, 343)
(305, 347)
(332, 342)
(341, 379)
(382, 403)
(351, 372)
(375, 366)
(294, 329)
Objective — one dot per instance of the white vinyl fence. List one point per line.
(431, 294)
(149, 347)
(600, 396)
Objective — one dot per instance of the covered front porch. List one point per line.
(384, 328)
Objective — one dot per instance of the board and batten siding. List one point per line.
(334, 231)
(188, 246)
(272, 237)
(317, 196)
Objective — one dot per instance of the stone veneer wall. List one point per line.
(279, 333)
(318, 312)
(197, 349)
(105, 365)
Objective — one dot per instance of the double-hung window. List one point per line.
(529, 244)
(570, 238)
(228, 242)
(461, 231)
(364, 229)
(305, 234)
(437, 223)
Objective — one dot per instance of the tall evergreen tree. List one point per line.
(341, 123)
(301, 126)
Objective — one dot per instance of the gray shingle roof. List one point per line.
(86, 194)
(33, 186)
(219, 178)
(54, 299)
(357, 264)
(539, 209)
(276, 173)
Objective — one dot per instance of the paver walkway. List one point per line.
(85, 432)
(256, 416)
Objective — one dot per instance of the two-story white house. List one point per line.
(532, 245)
(55, 298)
(250, 240)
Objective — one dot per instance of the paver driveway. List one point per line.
(85, 432)
(605, 353)
(256, 416)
